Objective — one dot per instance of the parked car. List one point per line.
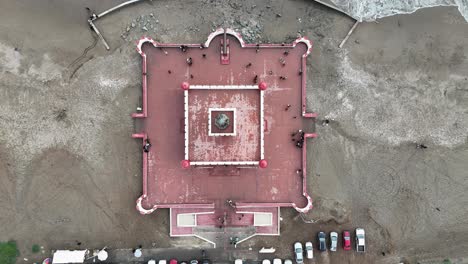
(346, 240)
(333, 241)
(162, 261)
(206, 260)
(266, 261)
(309, 250)
(173, 261)
(298, 252)
(360, 240)
(277, 261)
(322, 241)
(194, 261)
(288, 261)
(238, 261)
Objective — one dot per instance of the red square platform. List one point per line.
(213, 180)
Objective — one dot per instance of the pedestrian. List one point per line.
(287, 107)
(282, 61)
(189, 61)
(147, 145)
(255, 80)
(298, 171)
(299, 144)
(325, 122)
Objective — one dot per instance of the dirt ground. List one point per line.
(69, 171)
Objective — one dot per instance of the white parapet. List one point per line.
(221, 163)
(224, 87)
(186, 125)
(262, 126)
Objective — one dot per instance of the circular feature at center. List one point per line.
(222, 121)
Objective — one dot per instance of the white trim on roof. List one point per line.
(224, 87)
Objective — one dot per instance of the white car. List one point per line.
(299, 253)
(360, 240)
(266, 261)
(287, 261)
(277, 261)
(162, 261)
(238, 261)
(333, 241)
(309, 248)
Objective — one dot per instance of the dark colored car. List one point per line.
(346, 240)
(205, 259)
(322, 241)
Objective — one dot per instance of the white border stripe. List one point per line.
(214, 163)
(186, 125)
(224, 87)
(262, 124)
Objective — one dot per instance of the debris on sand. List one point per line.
(60, 114)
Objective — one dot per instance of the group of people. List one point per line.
(298, 138)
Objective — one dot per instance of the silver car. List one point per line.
(299, 252)
(334, 241)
